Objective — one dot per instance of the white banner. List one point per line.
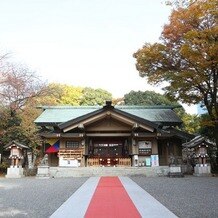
(154, 160)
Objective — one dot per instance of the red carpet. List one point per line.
(111, 200)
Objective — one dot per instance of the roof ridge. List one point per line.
(116, 106)
(69, 107)
(146, 107)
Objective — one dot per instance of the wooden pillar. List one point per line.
(16, 162)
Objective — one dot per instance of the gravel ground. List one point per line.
(35, 198)
(39, 198)
(186, 197)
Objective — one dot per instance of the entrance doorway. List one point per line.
(108, 151)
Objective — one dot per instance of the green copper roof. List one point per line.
(153, 114)
(60, 114)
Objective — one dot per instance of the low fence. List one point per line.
(124, 161)
(93, 162)
(120, 162)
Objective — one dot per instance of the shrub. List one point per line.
(3, 167)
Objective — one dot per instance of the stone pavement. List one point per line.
(101, 196)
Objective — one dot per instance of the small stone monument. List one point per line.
(175, 169)
(43, 168)
(16, 156)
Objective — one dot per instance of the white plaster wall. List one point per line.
(68, 163)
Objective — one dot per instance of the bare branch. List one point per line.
(18, 84)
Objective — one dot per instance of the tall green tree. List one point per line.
(186, 57)
(19, 127)
(147, 98)
(95, 96)
(191, 123)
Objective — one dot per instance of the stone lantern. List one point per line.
(16, 156)
(201, 152)
(200, 146)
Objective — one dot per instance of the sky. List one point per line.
(87, 43)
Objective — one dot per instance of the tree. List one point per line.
(191, 123)
(118, 101)
(186, 57)
(179, 3)
(70, 95)
(95, 96)
(17, 85)
(59, 94)
(29, 129)
(62, 94)
(147, 98)
(19, 127)
(207, 127)
(2, 62)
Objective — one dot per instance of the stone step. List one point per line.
(107, 171)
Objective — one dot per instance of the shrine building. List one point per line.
(86, 136)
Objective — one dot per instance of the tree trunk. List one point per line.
(216, 139)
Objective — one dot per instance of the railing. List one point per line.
(96, 162)
(71, 154)
(124, 161)
(93, 162)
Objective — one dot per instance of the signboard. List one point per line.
(154, 160)
(145, 148)
(148, 161)
(145, 144)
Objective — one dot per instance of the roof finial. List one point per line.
(108, 103)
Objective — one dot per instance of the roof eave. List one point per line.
(56, 124)
(16, 143)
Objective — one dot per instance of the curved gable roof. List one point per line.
(109, 111)
(56, 115)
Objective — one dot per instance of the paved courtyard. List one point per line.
(185, 197)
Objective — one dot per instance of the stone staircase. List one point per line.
(56, 172)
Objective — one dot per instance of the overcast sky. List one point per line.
(82, 42)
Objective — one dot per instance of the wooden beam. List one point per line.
(108, 134)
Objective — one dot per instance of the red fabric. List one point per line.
(111, 200)
(51, 149)
(54, 148)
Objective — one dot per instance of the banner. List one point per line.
(154, 160)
